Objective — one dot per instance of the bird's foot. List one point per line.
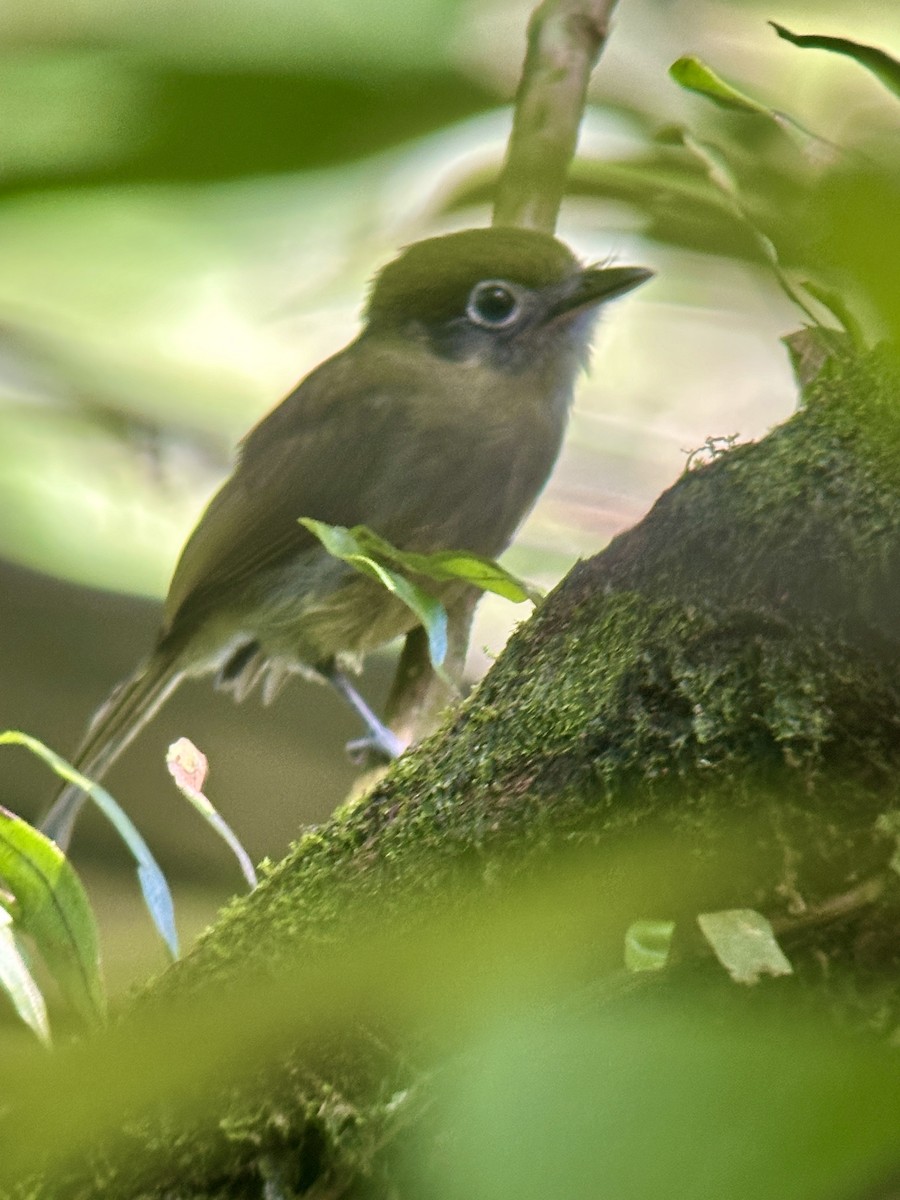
(377, 743)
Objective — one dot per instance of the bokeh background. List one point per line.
(193, 197)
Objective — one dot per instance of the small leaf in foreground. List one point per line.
(744, 943)
(445, 565)
(154, 888)
(371, 555)
(189, 767)
(350, 547)
(647, 945)
(52, 907)
(17, 982)
(431, 613)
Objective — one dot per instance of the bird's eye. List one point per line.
(492, 304)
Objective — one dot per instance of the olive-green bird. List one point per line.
(437, 428)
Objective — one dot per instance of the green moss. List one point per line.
(661, 708)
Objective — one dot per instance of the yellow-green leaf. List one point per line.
(53, 909)
(694, 75)
(16, 980)
(744, 943)
(885, 68)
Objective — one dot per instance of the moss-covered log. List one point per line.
(728, 668)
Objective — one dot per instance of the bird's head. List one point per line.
(503, 297)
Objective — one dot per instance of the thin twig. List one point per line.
(565, 38)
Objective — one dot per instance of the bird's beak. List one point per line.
(596, 285)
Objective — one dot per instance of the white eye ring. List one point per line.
(493, 304)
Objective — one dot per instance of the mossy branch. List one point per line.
(722, 678)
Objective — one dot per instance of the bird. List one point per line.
(436, 427)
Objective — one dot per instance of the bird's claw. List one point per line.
(380, 742)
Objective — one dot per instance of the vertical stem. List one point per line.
(565, 38)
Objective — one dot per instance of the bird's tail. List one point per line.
(115, 724)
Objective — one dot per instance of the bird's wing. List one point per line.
(313, 455)
(377, 436)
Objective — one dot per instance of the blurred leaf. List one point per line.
(676, 200)
(744, 943)
(854, 228)
(81, 504)
(720, 174)
(695, 76)
(17, 982)
(839, 308)
(67, 109)
(659, 1101)
(147, 93)
(882, 66)
(188, 766)
(640, 1087)
(373, 37)
(155, 890)
(53, 909)
(690, 73)
(647, 945)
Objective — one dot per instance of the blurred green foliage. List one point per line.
(662, 1101)
(129, 92)
(508, 1070)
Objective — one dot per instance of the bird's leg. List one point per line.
(379, 738)
(419, 695)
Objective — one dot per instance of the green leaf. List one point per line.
(337, 539)
(373, 556)
(442, 566)
(694, 75)
(189, 766)
(482, 573)
(885, 68)
(17, 982)
(157, 895)
(431, 613)
(744, 943)
(354, 546)
(831, 299)
(647, 945)
(52, 908)
(720, 176)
